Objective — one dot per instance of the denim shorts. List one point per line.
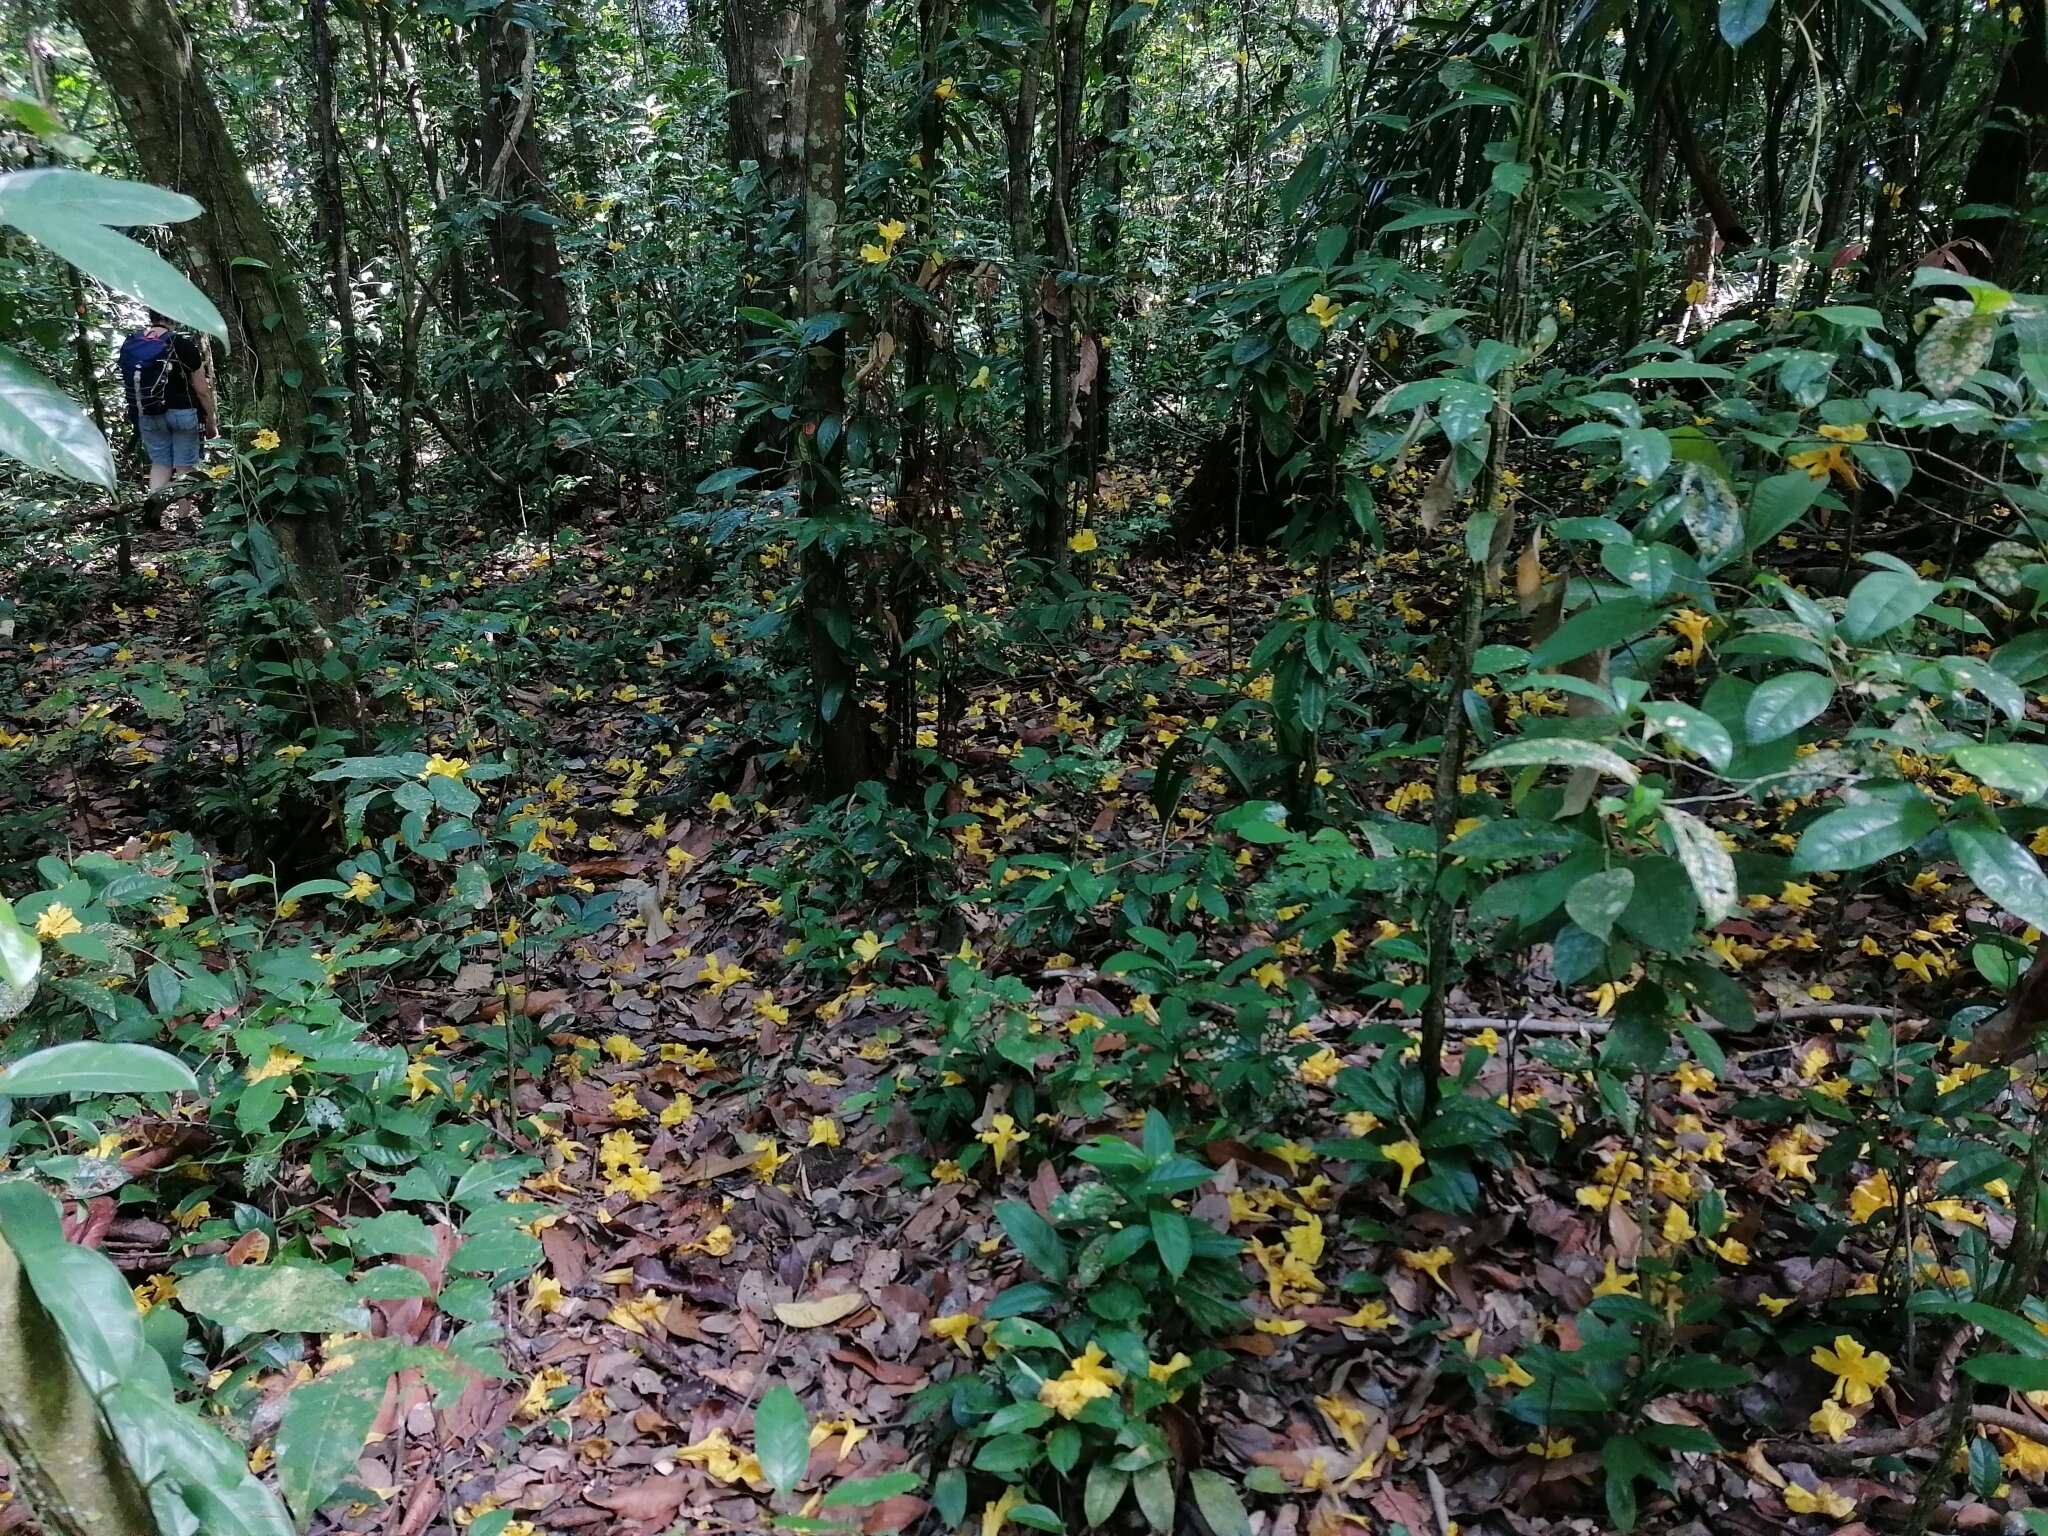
(171, 439)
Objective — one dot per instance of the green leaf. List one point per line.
(1743, 19)
(1595, 628)
(1035, 1239)
(1154, 1487)
(2021, 1373)
(2018, 770)
(1706, 862)
(782, 1438)
(1171, 1237)
(2002, 870)
(1561, 751)
(856, 1491)
(1422, 218)
(1695, 730)
(1953, 349)
(1217, 1499)
(326, 1422)
(276, 1298)
(392, 1232)
(1645, 452)
(41, 427)
(82, 239)
(1884, 600)
(1784, 703)
(96, 1066)
(1596, 901)
(1860, 835)
(1102, 1493)
(21, 956)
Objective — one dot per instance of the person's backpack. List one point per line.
(147, 362)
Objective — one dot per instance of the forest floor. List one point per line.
(714, 1222)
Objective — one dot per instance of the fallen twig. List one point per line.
(1599, 1026)
(1923, 1431)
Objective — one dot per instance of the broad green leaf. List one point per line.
(782, 1438)
(1558, 751)
(21, 956)
(2018, 770)
(1743, 19)
(1035, 1239)
(2003, 870)
(82, 1067)
(273, 1298)
(1216, 1497)
(1706, 862)
(1596, 628)
(1645, 452)
(1953, 349)
(1884, 600)
(1596, 901)
(117, 261)
(1154, 1487)
(1170, 1235)
(1102, 1493)
(1857, 836)
(392, 1232)
(1696, 731)
(1422, 218)
(326, 1422)
(856, 1491)
(2021, 1373)
(101, 199)
(1782, 704)
(41, 427)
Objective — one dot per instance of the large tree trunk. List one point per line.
(2013, 147)
(525, 264)
(762, 41)
(845, 747)
(154, 69)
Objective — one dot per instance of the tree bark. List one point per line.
(845, 747)
(525, 264)
(1020, 130)
(1119, 50)
(2013, 146)
(334, 225)
(762, 43)
(1071, 352)
(158, 79)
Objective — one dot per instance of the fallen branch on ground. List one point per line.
(1597, 1026)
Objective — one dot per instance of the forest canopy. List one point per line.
(995, 765)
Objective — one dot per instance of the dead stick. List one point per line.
(1601, 1026)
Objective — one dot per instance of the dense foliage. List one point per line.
(983, 764)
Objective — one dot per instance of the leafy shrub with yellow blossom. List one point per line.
(1076, 1365)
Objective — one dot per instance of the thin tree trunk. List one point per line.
(762, 43)
(845, 748)
(1517, 272)
(334, 222)
(1020, 128)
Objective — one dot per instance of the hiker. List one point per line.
(168, 383)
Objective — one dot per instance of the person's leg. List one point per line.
(155, 432)
(186, 442)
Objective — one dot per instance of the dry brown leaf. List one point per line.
(820, 1311)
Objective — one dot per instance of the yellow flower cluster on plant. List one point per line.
(1087, 1378)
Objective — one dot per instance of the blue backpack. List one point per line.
(146, 364)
